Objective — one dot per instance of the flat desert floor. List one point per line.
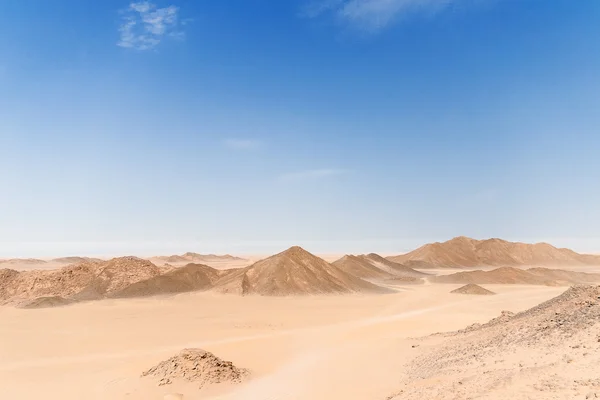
(330, 347)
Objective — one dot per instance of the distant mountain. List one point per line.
(21, 261)
(74, 260)
(190, 257)
(293, 272)
(463, 252)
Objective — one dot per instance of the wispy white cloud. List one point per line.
(144, 25)
(312, 174)
(242, 144)
(373, 15)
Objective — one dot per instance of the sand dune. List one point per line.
(510, 275)
(467, 252)
(293, 272)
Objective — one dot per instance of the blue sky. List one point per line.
(246, 126)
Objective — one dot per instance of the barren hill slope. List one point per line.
(292, 272)
(393, 267)
(361, 267)
(510, 275)
(467, 252)
(192, 277)
(546, 352)
(373, 266)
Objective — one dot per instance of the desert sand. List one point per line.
(294, 326)
(295, 347)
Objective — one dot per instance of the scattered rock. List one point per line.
(198, 366)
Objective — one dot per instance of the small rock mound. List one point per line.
(473, 289)
(198, 366)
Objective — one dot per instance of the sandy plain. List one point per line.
(313, 347)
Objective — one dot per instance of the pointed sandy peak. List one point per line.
(296, 253)
(294, 271)
(473, 289)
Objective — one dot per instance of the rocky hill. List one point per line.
(85, 281)
(293, 272)
(192, 277)
(463, 252)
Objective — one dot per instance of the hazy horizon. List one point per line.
(151, 249)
